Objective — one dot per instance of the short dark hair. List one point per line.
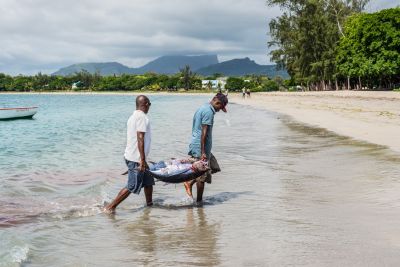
(222, 98)
(140, 99)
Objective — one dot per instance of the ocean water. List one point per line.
(288, 194)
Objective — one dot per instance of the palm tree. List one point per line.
(209, 85)
(187, 77)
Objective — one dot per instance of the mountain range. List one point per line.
(204, 65)
(241, 67)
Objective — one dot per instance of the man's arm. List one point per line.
(204, 129)
(142, 164)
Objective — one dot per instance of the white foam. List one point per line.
(19, 254)
(104, 195)
(76, 212)
(174, 202)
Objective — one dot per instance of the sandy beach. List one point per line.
(373, 117)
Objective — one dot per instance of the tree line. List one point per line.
(85, 81)
(332, 44)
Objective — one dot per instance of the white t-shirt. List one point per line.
(137, 122)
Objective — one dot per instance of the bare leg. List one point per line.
(188, 187)
(200, 190)
(122, 195)
(148, 192)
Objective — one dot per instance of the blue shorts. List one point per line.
(136, 179)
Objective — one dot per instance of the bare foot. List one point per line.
(188, 188)
(107, 209)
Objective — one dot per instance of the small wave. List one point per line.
(75, 212)
(19, 254)
(15, 255)
(105, 195)
(21, 211)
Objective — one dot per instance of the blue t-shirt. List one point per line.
(203, 116)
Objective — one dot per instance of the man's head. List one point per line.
(219, 102)
(143, 103)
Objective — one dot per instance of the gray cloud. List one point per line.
(375, 5)
(44, 35)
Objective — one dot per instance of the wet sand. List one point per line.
(373, 117)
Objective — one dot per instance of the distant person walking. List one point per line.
(136, 152)
(248, 92)
(201, 143)
(244, 92)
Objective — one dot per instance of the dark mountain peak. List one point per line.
(173, 63)
(104, 68)
(169, 64)
(245, 60)
(241, 67)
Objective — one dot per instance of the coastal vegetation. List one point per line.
(332, 44)
(84, 81)
(369, 52)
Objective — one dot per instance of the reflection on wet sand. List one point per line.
(142, 237)
(335, 200)
(203, 237)
(192, 241)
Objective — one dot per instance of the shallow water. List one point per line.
(288, 194)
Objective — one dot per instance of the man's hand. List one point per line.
(203, 156)
(143, 166)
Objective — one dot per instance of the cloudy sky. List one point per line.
(44, 35)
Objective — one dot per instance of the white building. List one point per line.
(75, 85)
(213, 84)
(219, 83)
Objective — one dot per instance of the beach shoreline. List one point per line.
(372, 117)
(183, 93)
(369, 116)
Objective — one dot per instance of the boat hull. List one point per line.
(17, 113)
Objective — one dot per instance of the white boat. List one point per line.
(17, 113)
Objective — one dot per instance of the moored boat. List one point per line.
(17, 113)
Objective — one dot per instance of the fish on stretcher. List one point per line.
(177, 170)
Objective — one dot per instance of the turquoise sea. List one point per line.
(288, 194)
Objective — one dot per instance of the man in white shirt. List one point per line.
(136, 152)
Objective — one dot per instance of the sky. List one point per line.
(45, 35)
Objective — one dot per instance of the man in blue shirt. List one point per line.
(201, 142)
